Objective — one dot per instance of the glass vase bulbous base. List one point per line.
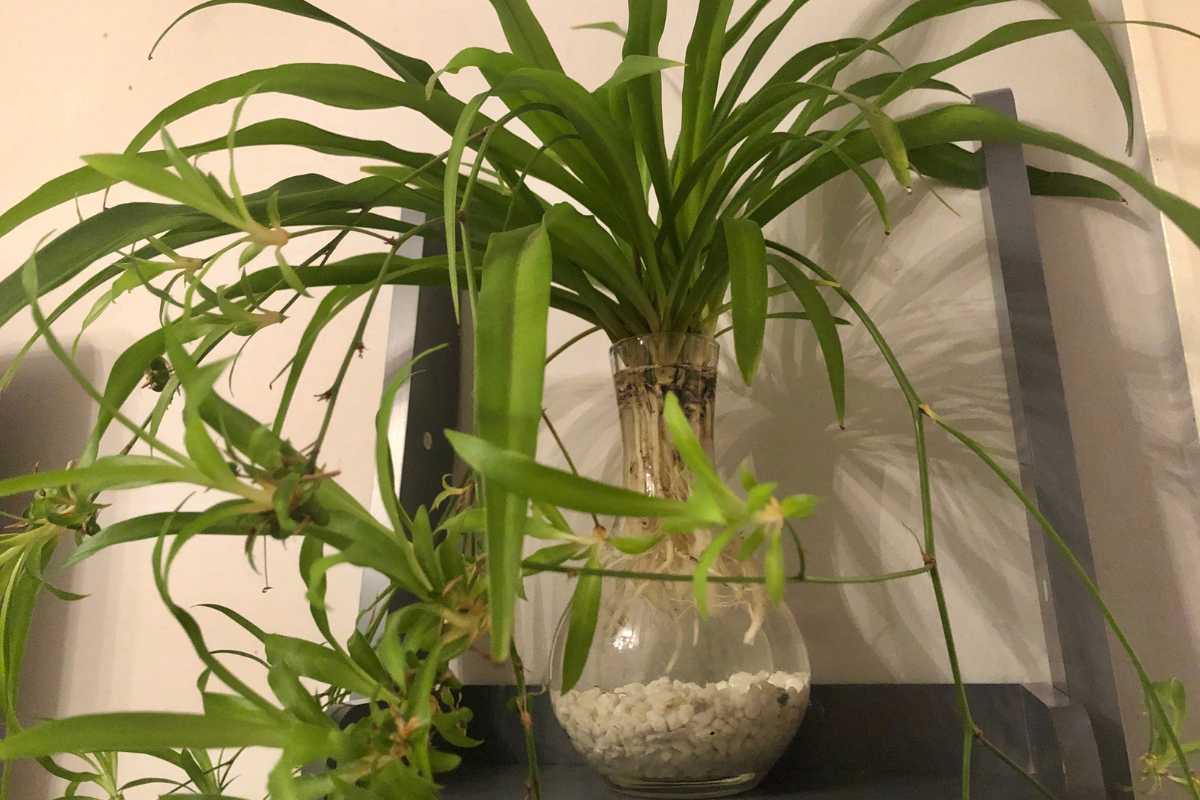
(674, 705)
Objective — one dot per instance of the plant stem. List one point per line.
(567, 344)
(935, 579)
(912, 398)
(964, 706)
(913, 401)
(1163, 721)
(346, 228)
(356, 341)
(518, 188)
(563, 449)
(533, 782)
(668, 576)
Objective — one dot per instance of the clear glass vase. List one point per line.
(669, 704)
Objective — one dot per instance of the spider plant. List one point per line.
(653, 236)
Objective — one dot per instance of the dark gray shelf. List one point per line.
(863, 741)
(579, 783)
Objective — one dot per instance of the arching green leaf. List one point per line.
(520, 473)
(825, 327)
(510, 353)
(581, 627)
(409, 68)
(524, 34)
(963, 123)
(748, 287)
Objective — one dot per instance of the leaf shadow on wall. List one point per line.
(931, 295)
(1135, 434)
(46, 418)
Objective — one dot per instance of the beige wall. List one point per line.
(1167, 64)
(927, 284)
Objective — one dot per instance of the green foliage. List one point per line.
(510, 351)
(747, 258)
(655, 237)
(1161, 760)
(585, 612)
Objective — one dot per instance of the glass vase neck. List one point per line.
(645, 370)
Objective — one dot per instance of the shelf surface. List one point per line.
(580, 783)
(867, 742)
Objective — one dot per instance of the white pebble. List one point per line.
(674, 730)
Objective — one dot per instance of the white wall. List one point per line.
(1160, 587)
(1165, 63)
(927, 285)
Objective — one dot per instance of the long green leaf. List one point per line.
(350, 87)
(150, 526)
(585, 611)
(609, 144)
(963, 168)
(463, 130)
(197, 382)
(520, 473)
(409, 68)
(1105, 52)
(1013, 33)
(962, 123)
(759, 47)
(70, 252)
(647, 19)
(146, 175)
(311, 660)
(804, 61)
(700, 78)
(384, 469)
(691, 452)
(748, 287)
(312, 566)
(608, 26)
(109, 472)
(423, 544)
(417, 703)
(524, 34)
(739, 28)
(886, 133)
(583, 240)
(824, 325)
(286, 686)
(553, 555)
(704, 566)
(21, 590)
(510, 351)
(633, 67)
(239, 619)
(139, 731)
(304, 197)
(871, 185)
(547, 122)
